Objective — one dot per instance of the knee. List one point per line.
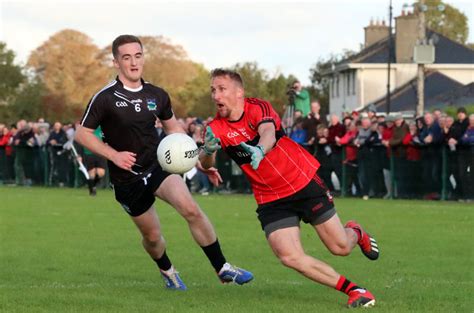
(192, 212)
(340, 249)
(152, 237)
(292, 260)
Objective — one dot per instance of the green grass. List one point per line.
(63, 251)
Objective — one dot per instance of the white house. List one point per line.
(362, 79)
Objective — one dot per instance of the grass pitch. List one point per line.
(63, 251)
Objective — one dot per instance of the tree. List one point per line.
(450, 22)
(196, 96)
(320, 82)
(11, 75)
(71, 69)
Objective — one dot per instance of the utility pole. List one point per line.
(421, 67)
(389, 56)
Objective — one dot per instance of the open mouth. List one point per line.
(219, 105)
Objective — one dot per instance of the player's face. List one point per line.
(227, 96)
(129, 62)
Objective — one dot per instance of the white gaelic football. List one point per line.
(177, 153)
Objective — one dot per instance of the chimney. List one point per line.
(406, 34)
(375, 32)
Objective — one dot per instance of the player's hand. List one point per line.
(256, 154)
(211, 143)
(213, 175)
(124, 159)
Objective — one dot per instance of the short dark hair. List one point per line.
(225, 72)
(122, 40)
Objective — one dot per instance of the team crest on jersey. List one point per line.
(151, 104)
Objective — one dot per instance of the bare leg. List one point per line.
(286, 245)
(149, 226)
(174, 191)
(338, 240)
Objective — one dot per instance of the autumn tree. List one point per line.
(450, 22)
(71, 69)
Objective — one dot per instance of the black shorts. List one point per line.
(312, 204)
(137, 197)
(94, 161)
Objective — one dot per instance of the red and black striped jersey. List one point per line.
(285, 169)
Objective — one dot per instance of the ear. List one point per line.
(240, 92)
(116, 64)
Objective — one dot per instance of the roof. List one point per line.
(447, 51)
(405, 97)
(457, 97)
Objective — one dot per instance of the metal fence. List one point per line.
(438, 173)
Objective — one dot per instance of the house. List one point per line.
(361, 79)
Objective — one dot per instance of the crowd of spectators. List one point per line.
(361, 154)
(374, 155)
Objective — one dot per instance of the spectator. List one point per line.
(4, 138)
(336, 129)
(363, 156)
(323, 153)
(387, 133)
(59, 159)
(350, 162)
(23, 142)
(467, 162)
(376, 158)
(413, 157)
(299, 134)
(310, 125)
(301, 98)
(395, 144)
(431, 136)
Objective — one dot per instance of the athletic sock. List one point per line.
(358, 233)
(345, 285)
(215, 256)
(164, 262)
(90, 184)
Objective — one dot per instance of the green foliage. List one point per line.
(195, 95)
(28, 103)
(258, 84)
(452, 110)
(62, 251)
(450, 22)
(11, 75)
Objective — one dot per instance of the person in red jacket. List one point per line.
(413, 157)
(350, 162)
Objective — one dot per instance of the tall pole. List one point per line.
(421, 68)
(389, 56)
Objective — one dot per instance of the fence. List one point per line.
(438, 173)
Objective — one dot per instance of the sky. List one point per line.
(281, 36)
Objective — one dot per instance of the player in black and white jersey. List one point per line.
(126, 109)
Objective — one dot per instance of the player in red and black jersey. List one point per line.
(127, 110)
(285, 184)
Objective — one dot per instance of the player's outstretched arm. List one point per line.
(172, 126)
(85, 136)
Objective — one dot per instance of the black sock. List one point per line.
(164, 262)
(90, 184)
(214, 254)
(97, 180)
